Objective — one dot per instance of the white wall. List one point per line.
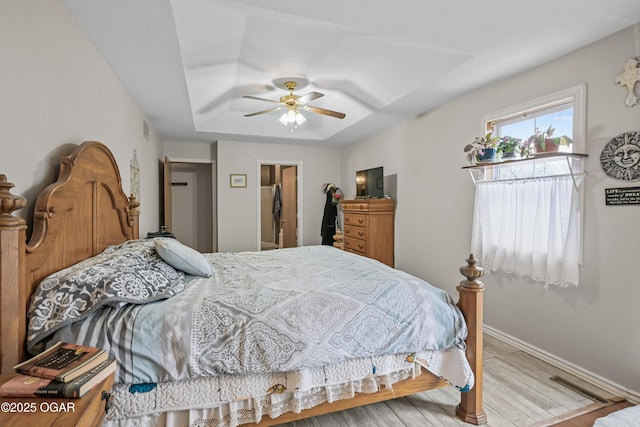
(238, 207)
(594, 326)
(56, 92)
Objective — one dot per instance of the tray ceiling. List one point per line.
(188, 63)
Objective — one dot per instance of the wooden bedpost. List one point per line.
(471, 304)
(133, 215)
(12, 265)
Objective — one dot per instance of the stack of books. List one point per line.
(64, 370)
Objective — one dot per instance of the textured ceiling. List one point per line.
(188, 63)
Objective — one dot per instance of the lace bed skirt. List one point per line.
(250, 409)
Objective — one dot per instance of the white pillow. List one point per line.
(183, 258)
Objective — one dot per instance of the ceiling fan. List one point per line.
(293, 105)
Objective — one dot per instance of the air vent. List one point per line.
(145, 129)
(580, 390)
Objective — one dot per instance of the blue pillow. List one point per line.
(182, 257)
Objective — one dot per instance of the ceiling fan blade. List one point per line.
(318, 110)
(264, 111)
(262, 99)
(309, 97)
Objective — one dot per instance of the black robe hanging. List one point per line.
(329, 221)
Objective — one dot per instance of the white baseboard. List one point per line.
(590, 377)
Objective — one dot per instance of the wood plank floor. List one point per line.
(517, 392)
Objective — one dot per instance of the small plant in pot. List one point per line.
(509, 147)
(482, 149)
(543, 141)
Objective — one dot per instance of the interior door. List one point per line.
(289, 207)
(167, 221)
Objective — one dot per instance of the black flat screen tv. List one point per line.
(370, 183)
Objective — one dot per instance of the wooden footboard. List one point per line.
(85, 210)
(426, 381)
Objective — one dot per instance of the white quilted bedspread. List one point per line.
(288, 320)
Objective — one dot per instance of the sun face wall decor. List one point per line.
(620, 158)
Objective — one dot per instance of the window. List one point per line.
(527, 215)
(565, 111)
(558, 117)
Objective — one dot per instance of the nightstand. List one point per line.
(88, 411)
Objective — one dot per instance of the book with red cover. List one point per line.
(29, 386)
(62, 362)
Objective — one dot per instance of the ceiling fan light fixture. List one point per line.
(294, 104)
(292, 118)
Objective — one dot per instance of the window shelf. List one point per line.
(536, 166)
(535, 158)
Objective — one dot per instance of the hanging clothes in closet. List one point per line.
(276, 209)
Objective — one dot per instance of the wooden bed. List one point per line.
(86, 210)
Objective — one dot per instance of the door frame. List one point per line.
(299, 186)
(214, 190)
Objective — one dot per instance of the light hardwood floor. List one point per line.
(517, 392)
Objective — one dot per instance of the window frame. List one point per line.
(577, 95)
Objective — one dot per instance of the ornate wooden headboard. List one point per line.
(75, 218)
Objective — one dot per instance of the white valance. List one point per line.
(529, 227)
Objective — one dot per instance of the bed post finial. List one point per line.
(472, 272)
(133, 215)
(9, 203)
(471, 304)
(12, 267)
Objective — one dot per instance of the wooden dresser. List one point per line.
(368, 228)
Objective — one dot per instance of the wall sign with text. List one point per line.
(622, 196)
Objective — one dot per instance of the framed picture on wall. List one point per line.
(238, 180)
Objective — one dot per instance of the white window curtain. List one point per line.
(529, 227)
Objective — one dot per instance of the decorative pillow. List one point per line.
(183, 258)
(131, 272)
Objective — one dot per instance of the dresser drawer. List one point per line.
(355, 245)
(355, 220)
(355, 207)
(355, 232)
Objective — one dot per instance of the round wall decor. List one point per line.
(620, 158)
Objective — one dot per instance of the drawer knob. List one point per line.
(106, 396)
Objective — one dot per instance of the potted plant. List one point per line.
(509, 147)
(483, 148)
(544, 141)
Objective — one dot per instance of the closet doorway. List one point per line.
(189, 203)
(279, 200)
